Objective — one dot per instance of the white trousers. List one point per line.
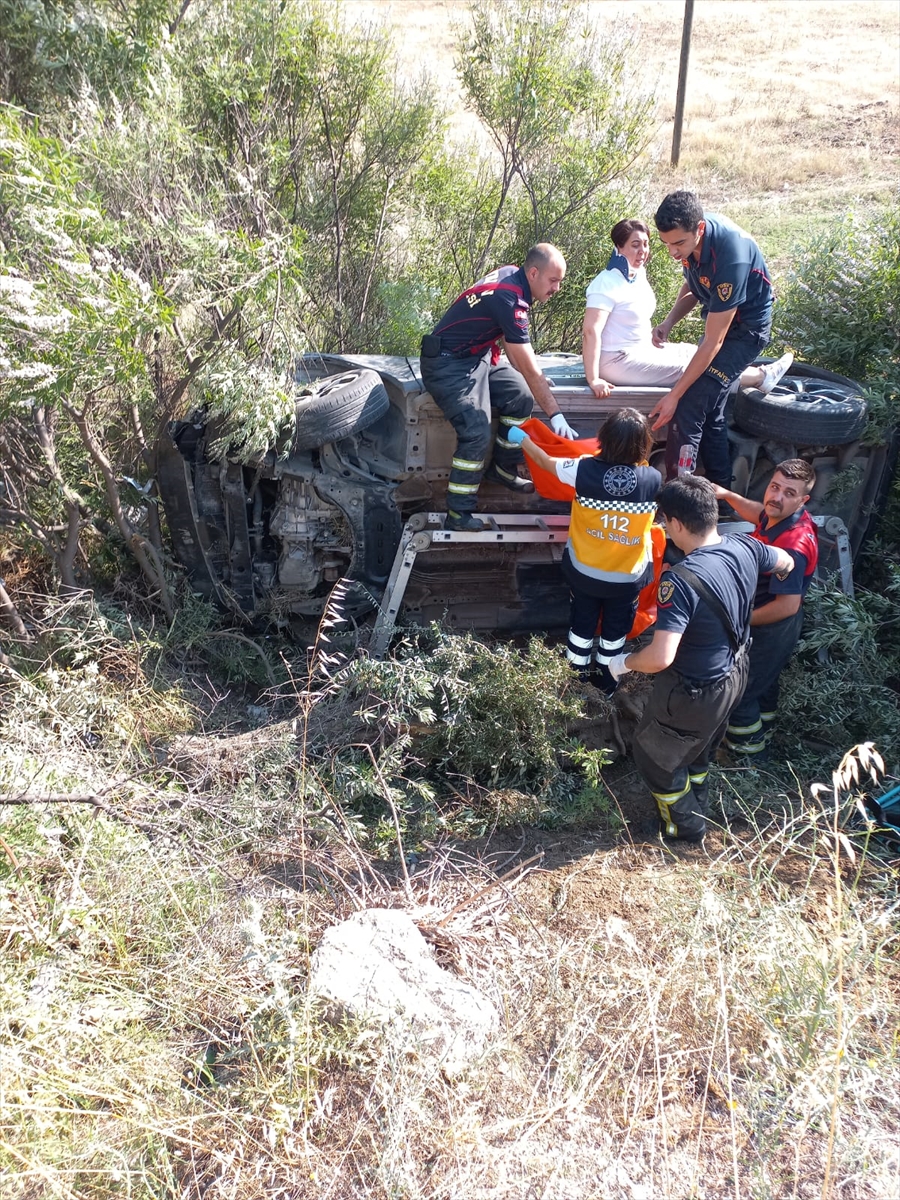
(645, 365)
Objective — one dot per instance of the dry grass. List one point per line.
(675, 1026)
(718, 1027)
(793, 106)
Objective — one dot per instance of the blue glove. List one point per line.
(516, 435)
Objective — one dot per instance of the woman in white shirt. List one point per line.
(618, 344)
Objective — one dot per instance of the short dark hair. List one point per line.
(679, 210)
(622, 231)
(691, 500)
(625, 437)
(800, 470)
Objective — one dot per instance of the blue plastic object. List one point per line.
(885, 812)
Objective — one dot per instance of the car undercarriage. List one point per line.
(371, 450)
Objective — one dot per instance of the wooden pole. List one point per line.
(682, 79)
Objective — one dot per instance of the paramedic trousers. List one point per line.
(611, 615)
(465, 390)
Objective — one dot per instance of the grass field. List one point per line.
(793, 106)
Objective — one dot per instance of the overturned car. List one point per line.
(365, 476)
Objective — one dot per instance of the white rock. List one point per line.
(377, 964)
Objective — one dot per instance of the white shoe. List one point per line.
(774, 372)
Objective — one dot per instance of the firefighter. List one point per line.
(777, 617)
(698, 654)
(461, 369)
(725, 272)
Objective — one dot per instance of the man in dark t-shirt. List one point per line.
(725, 273)
(698, 652)
(461, 369)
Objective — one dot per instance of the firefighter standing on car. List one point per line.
(725, 272)
(698, 654)
(777, 617)
(461, 369)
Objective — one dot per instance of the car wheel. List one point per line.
(803, 412)
(338, 406)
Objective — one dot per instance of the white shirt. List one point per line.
(567, 468)
(630, 304)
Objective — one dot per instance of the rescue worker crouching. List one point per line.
(461, 369)
(777, 618)
(698, 654)
(609, 554)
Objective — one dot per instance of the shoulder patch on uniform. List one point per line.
(724, 291)
(665, 591)
(704, 280)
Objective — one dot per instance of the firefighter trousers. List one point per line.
(699, 428)
(465, 390)
(682, 725)
(753, 717)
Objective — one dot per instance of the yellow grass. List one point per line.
(793, 106)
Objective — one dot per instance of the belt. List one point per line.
(433, 347)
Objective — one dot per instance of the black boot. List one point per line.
(603, 680)
(463, 522)
(509, 479)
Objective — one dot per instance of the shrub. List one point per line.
(841, 308)
(841, 686)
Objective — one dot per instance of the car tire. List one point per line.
(803, 412)
(337, 407)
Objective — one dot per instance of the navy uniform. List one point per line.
(731, 274)
(753, 718)
(609, 554)
(688, 709)
(460, 368)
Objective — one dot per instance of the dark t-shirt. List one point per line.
(730, 570)
(495, 307)
(731, 274)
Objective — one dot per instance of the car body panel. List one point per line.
(271, 537)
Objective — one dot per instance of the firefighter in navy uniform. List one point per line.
(725, 273)
(609, 554)
(777, 618)
(461, 369)
(698, 652)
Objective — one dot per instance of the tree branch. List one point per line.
(9, 610)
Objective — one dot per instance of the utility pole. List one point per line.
(682, 79)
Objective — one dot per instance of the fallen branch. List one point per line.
(240, 637)
(94, 801)
(11, 613)
(494, 882)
